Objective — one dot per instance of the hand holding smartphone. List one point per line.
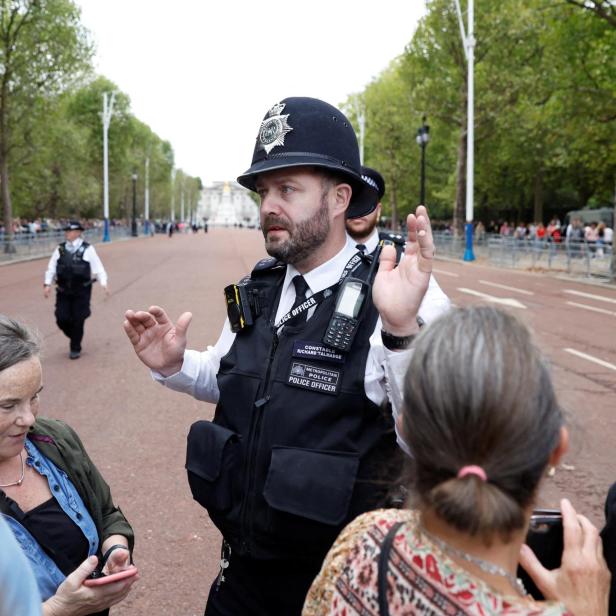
(103, 579)
(545, 538)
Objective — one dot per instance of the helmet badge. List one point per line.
(273, 128)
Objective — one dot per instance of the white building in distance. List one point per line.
(227, 204)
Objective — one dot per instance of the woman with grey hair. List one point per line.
(52, 497)
(482, 422)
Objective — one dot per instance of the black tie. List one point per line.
(361, 248)
(300, 297)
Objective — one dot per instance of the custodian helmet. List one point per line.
(302, 131)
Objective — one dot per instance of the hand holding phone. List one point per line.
(103, 579)
(545, 539)
(582, 581)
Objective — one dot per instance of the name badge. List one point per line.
(316, 350)
(310, 377)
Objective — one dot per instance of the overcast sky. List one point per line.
(203, 73)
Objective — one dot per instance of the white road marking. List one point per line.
(601, 298)
(444, 273)
(596, 360)
(587, 307)
(507, 301)
(504, 286)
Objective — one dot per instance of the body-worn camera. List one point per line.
(241, 306)
(238, 306)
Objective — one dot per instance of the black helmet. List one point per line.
(373, 178)
(302, 131)
(73, 225)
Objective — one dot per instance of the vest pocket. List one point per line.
(212, 459)
(314, 485)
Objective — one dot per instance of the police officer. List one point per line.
(364, 232)
(299, 440)
(74, 265)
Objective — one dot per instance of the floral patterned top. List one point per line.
(421, 578)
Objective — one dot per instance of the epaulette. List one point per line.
(267, 264)
(396, 238)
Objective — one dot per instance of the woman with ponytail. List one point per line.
(483, 425)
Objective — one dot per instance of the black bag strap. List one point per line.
(383, 562)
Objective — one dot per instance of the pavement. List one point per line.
(135, 430)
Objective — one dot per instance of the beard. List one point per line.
(304, 237)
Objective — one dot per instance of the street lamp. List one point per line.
(134, 223)
(423, 136)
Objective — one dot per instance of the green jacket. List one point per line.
(60, 444)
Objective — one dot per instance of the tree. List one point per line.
(43, 49)
(606, 9)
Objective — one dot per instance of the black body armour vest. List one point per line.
(72, 270)
(296, 449)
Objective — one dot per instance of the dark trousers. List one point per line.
(262, 587)
(72, 309)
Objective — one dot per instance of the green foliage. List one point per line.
(545, 111)
(51, 134)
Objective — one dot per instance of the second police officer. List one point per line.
(299, 440)
(74, 265)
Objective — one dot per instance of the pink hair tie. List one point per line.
(472, 470)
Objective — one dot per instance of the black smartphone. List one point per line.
(545, 538)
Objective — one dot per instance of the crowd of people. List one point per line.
(373, 450)
(36, 227)
(597, 235)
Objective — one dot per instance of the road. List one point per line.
(136, 430)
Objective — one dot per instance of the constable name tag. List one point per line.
(314, 378)
(316, 350)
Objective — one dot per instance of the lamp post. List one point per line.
(134, 222)
(106, 117)
(146, 199)
(423, 136)
(468, 43)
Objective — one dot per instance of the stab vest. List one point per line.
(72, 270)
(296, 449)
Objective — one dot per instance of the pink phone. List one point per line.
(114, 577)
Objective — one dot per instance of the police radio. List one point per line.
(345, 321)
(351, 298)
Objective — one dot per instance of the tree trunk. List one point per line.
(394, 208)
(5, 195)
(613, 264)
(459, 209)
(538, 197)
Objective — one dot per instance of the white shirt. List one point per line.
(385, 369)
(89, 255)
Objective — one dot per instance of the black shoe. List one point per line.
(74, 354)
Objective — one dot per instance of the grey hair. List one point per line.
(478, 392)
(17, 343)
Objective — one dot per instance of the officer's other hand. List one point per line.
(159, 344)
(398, 291)
(46, 291)
(107, 291)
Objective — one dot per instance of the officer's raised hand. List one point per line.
(159, 344)
(398, 291)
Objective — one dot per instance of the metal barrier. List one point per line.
(574, 257)
(32, 245)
